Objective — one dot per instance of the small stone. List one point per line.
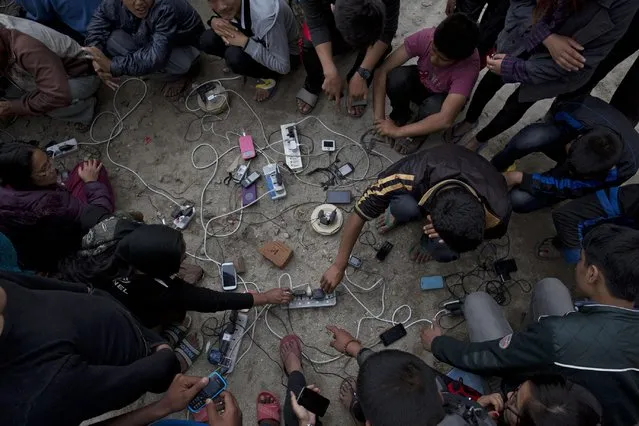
(285, 235)
(427, 3)
(277, 231)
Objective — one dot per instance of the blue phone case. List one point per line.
(432, 282)
(225, 385)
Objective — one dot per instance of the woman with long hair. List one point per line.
(43, 216)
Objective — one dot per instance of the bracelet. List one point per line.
(348, 343)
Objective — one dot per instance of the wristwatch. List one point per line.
(366, 74)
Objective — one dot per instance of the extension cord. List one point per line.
(291, 144)
(215, 99)
(275, 190)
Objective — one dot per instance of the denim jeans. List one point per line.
(403, 86)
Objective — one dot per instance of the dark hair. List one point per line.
(557, 402)
(614, 250)
(360, 22)
(456, 37)
(398, 388)
(459, 218)
(595, 152)
(15, 164)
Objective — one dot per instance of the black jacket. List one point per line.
(595, 348)
(417, 174)
(169, 24)
(574, 117)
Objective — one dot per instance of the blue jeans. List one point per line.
(405, 208)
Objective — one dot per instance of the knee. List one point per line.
(235, 58)
(521, 201)
(395, 81)
(432, 105)
(532, 136)
(207, 41)
(551, 286)
(477, 301)
(120, 43)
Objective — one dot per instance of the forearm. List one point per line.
(140, 417)
(351, 232)
(379, 94)
(374, 54)
(431, 124)
(325, 54)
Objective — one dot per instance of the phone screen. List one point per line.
(313, 402)
(338, 197)
(229, 280)
(213, 389)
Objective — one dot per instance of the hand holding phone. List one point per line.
(214, 388)
(309, 404)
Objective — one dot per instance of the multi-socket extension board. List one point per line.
(228, 362)
(313, 301)
(291, 146)
(271, 175)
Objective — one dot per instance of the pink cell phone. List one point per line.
(246, 147)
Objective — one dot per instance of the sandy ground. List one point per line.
(158, 142)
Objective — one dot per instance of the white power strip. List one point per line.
(62, 148)
(291, 146)
(304, 302)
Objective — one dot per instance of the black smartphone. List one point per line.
(338, 197)
(384, 250)
(393, 334)
(313, 402)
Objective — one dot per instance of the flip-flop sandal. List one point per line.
(268, 410)
(407, 146)
(175, 332)
(370, 138)
(349, 386)
(308, 98)
(452, 136)
(387, 222)
(362, 104)
(546, 246)
(268, 84)
(187, 351)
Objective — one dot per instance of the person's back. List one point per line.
(66, 355)
(74, 14)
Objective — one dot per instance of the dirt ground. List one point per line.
(159, 141)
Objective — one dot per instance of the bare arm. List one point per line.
(396, 59)
(333, 276)
(445, 118)
(374, 54)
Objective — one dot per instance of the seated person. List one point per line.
(618, 205)
(594, 145)
(441, 82)
(224, 411)
(66, 16)
(68, 355)
(594, 347)
(45, 220)
(138, 265)
(367, 26)
(259, 41)
(50, 74)
(395, 387)
(141, 37)
(463, 198)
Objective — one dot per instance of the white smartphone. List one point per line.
(228, 276)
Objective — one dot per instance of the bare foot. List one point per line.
(261, 95)
(348, 396)
(418, 254)
(290, 352)
(473, 144)
(386, 222)
(357, 111)
(303, 107)
(268, 399)
(162, 347)
(175, 88)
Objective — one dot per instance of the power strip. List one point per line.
(305, 302)
(228, 362)
(276, 190)
(291, 146)
(62, 148)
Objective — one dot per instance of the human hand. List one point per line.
(493, 63)
(182, 390)
(331, 278)
(108, 79)
(343, 341)
(303, 415)
(429, 229)
(429, 334)
(223, 28)
(278, 296)
(513, 178)
(5, 108)
(450, 7)
(229, 413)
(493, 403)
(386, 127)
(357, 90)
(332, 85)
(89, 171)
(565, 51)
(100, 61)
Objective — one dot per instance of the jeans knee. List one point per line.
(549, 286)
(477, 301)
(521, 201)
(235, 59)
(432, 105)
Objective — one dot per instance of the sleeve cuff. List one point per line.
(508, 69)
(363, 355)
(537, 36)
(361, 214)
(116, 68)
(251, 48)
(526, 182)
(320, 36)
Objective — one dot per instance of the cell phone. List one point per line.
(246, 147)
(212, 390)
(250, 179)
(504, 268)
(228, 276)
(249, 195)
(338, 197)
(328, 145)
(313, 402)
(346, 170)
(355, 262)
(433, 282)
(384, 250)
(393, 334)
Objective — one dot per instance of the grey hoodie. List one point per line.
(275, 34)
